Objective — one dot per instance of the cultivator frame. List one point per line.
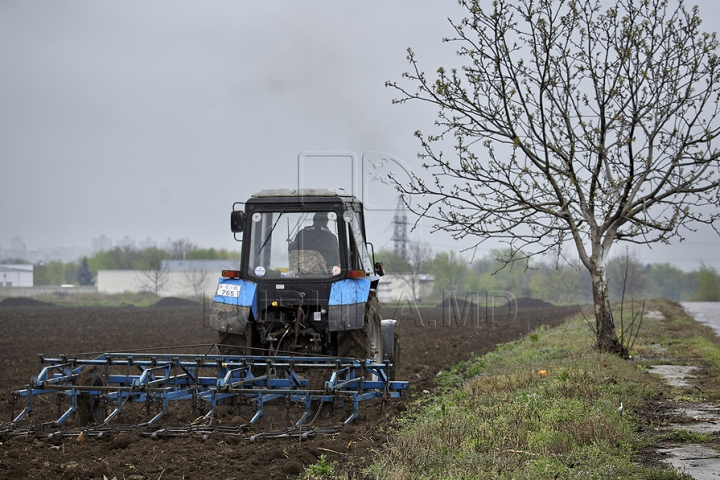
(208, 380)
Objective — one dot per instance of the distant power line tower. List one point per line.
(400, 230)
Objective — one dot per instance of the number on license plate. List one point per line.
(228, 290)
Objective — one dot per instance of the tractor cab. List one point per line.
(302, 237)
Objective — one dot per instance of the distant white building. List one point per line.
(199, 265)
(16, 275)
(398, 288)
(178, 278)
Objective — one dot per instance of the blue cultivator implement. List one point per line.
(99, 389)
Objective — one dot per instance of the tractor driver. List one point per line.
(318, 237)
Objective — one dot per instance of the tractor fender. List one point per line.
(233, 305)
(346, 305)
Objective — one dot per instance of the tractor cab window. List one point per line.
(358, 258)
(294, 244)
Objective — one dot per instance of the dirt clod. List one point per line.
(124, 440)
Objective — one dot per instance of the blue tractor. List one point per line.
(307, 283)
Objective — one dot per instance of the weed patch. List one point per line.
(686, 436)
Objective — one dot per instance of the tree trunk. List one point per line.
(607, 340)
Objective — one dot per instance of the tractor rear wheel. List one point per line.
(391, 346)
(365, 342)
(235, 343)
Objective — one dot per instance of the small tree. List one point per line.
(56, 272)
(197, 279)
(451, 272)
(419, 256)
(513, 279)
(559, 284)
(153, 274)
(597, 127)
(122, 258)
(153, 280)
(83, 275)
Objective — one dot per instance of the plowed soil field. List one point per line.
(431, 340)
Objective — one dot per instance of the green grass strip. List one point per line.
(548, 406)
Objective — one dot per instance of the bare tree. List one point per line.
(196, 279)
(572, 123)
(418, 257)
(153, 280)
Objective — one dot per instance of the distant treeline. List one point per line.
(85, 270)
(556, 280)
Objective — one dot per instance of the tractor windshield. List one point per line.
(294, 244)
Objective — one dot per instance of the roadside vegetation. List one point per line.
(554, 279)
(551, 406)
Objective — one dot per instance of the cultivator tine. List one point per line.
(206, 380)
(203, 432)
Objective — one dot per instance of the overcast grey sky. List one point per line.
(149, 119)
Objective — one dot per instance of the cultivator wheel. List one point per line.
(316, 381)
(91, 409)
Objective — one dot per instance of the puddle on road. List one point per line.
(702, 418)
(698, 461)
(674, 375)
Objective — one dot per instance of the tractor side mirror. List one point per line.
(237, 221)
(379, 269)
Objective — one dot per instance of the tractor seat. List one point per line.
(307, 263)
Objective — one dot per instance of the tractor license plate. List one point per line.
(228, 290)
